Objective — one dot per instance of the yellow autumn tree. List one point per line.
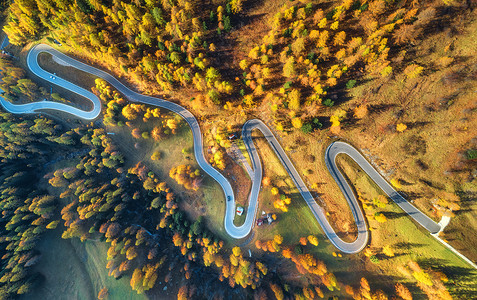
(129, 112)
(401, 127)
(422, 277)
(381, 218)
(294, 99)
(243, 64)
(313, 240)
(289, 68)
(156, 155)
(388, 251)
(413, 71)
(236, 6)
(136, 281)
(156, 133)
(182, 293)
(335, 124)
(297, 123)
(339, 38)
(103, 294)
(395, 183)
(237, 251)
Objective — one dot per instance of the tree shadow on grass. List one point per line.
(407, 245)
(379, 108)
(432, 184)
(381, 281)
(462, 281)
(462, 211)
(467, 200)
(302, 203)
(394, 215)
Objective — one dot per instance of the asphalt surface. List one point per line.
(5, 42)
(233, 230)
(341, 147)
(317, 210)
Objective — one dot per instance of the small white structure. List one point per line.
(239, 210)
(269, 218)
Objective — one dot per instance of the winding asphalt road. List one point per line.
(5, 41)
(233, 230)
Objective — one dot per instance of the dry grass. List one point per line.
(255, 27)
(439, 109)
(408, 239)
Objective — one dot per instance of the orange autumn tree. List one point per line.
(271, 245)
(277, 291)
(186, 176)
(183, 293)
(282, 202)
(403, 292)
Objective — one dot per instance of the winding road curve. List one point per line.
(234, 231)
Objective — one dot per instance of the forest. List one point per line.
(310, 55)
(107, 202)
(311, 70)
(27, 212)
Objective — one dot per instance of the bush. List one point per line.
(307, 128)
(214, 96)
(328, 102)
(317, 124)
(298, 249)
(227, 25)
(374, 259)
(471, 154)
(350, 84)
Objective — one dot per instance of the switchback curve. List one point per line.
(233, 230)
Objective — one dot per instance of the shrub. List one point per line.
(307, 128)
(328, 102)
(350, 84)
(374, 259)
(471, 154)
(317, 124)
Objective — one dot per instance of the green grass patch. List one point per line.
(76, 270)
(298, 221)
(239, 220)
(408, 239)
